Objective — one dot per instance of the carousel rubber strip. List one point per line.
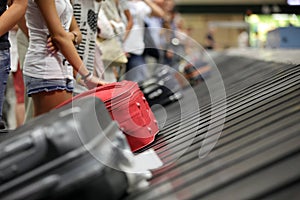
(258, 152)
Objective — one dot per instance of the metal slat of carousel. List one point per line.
(257, 154)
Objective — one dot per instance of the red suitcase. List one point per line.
(127, 105)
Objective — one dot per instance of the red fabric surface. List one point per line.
(127, 105)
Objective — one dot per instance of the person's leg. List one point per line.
(136, 68)
(46, 94)
(43, 102)
(4, 72)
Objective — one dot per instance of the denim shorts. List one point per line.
(36, 85)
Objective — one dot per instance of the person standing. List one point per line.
(8, 19)
(210, 42)
(22, 43)
(114, 23)
(86, 15)
(17, 75)
(134, 45)
(126, 17)
(154, 26)
(48, 78)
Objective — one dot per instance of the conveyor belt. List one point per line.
(258, 152)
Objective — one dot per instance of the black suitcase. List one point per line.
(162, 88)
(69, 153)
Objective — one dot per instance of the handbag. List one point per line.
(108, 41)
(112, 52)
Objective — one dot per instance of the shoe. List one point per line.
(3, 127)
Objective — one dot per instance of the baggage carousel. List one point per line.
(234, 139)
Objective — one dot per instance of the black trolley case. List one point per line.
(69, 153)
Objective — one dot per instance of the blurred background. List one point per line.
(228, 18)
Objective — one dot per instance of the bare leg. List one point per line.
(20, 113)
(43, 102)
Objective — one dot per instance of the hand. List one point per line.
(127, 54)
(80, 81)
(94, 82)
(52, 48)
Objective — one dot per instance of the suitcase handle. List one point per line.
(111, 86)
(16, 146)
(21, 154)
(102, 87)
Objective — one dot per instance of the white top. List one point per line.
(135, 42)
(123, 4)
(39, 63)
(86, 12)
(155, 27)
(86, 15)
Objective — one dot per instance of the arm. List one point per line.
(129, 23)
(23, 27)
(12, 15)
(15, 28)
(156, 10)
(75, 32)
(62, 40)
